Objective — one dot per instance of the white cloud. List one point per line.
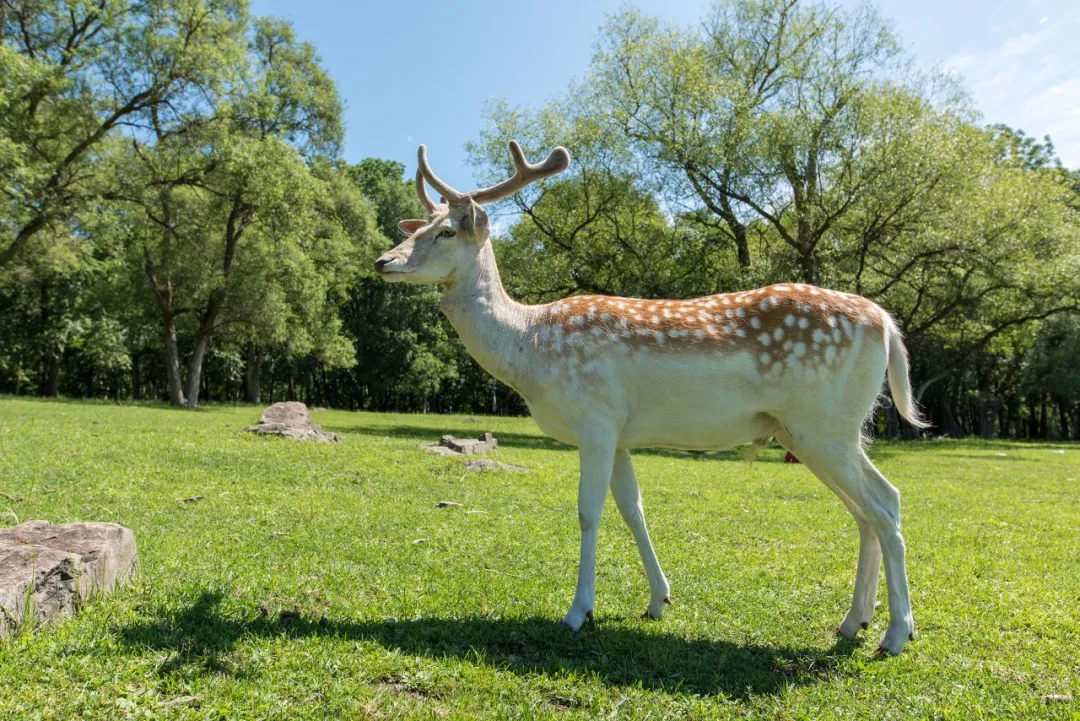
(1030, 80)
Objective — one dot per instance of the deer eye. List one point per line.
(446, 233)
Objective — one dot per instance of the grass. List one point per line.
(298, 586)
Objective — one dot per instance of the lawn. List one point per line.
(322, 581)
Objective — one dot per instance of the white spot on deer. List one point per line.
(711, 329)
(659, 337)
(755, 322)
(655, 319)
(778, 334)
(819, 335)
(804, 322)
(740, 312)
(578, 320)
(789, 320)
(740, 332)
(764, 305)
(836, 335)
(799, 350)
(667, 312)
(830, 354)
(814, 291)
(849, 329)
(765, 339)
(765, 358)
(780, 288)
(788, 344)
(596, 331)
(701, 334)
(774, 299)
(726, 300)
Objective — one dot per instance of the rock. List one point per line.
(439, 450)
(292, 420)
(47, 571)
(485, 464)
(463, 446)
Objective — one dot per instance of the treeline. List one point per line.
(177, 222)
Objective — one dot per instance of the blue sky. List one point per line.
(415, 71)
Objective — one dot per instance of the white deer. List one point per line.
(793, 362)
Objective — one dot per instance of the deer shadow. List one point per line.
(432, 434)
(199, 637)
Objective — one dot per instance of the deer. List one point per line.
(792, 362)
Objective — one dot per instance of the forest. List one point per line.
(178, 222)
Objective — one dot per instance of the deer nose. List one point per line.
(382, 263)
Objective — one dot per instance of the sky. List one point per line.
(416, 71)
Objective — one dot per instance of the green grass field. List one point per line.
(321, 581)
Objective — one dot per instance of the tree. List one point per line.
(78, 70)
(235, 227)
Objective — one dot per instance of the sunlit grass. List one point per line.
(322, 581)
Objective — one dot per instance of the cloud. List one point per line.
(1030, 80)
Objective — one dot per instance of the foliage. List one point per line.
(783, 142)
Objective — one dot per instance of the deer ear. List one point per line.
(476, 220)
(408, 227)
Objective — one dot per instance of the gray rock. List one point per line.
(47, 571)
(439, 450)
(292, 420)
(464, 446)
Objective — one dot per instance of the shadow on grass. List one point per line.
(432, 434)
(200, 637)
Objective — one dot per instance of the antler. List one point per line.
(556, 162)
(421, 191)
(445, 190)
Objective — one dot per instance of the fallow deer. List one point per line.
(791, 361)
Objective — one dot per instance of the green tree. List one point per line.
(75, 71)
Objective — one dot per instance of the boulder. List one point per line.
(48, 570)
(448, 445)
(292, 420)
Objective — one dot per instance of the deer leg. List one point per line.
(624, 488)
(597, 457)
(875, 504)
(881, 501)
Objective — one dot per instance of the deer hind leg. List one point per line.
(624, 489)
(875, 504)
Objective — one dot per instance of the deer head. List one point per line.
(436, 249)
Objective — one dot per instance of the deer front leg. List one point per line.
(624, 488)
(597, 456)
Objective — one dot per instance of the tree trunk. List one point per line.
(136, 376)
(52, 376)
(193, 378)
(252, 374)
(811, 268)
(172, 365)
(892, 422)
(948, 424)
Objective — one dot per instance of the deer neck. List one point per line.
(494, 328)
